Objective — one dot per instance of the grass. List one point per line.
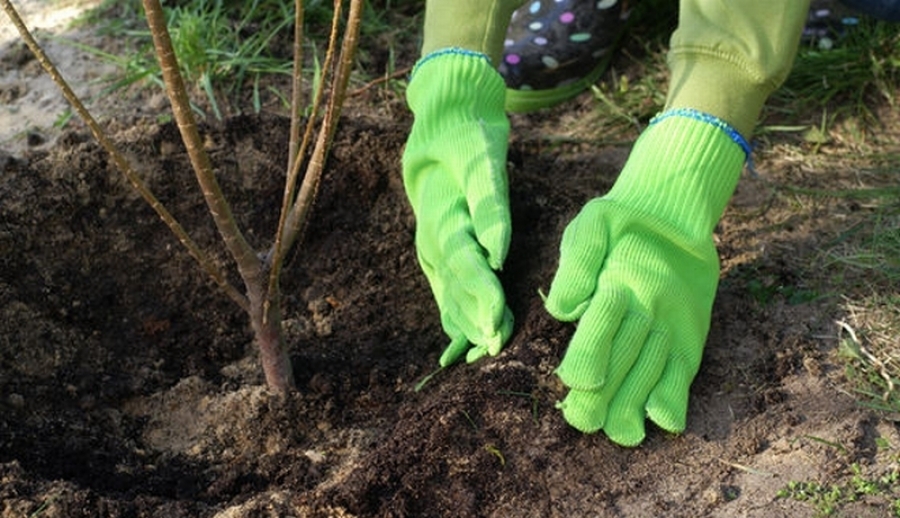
(632, 90)
(861, 69)
(627, 101)
(839, 92)
(222, 47)
(863, 63)
(45, 505)
(871, 246)
(869, 345)
(835, 95)
(828, 499)
(227, 49)
(863, 262)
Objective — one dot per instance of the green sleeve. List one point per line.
(728, 56)
(478, 25)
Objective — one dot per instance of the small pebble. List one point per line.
(16, 400)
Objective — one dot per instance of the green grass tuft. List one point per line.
(234, 52)
(828, 499)
(862, 64)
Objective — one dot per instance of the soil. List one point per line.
(129, 386)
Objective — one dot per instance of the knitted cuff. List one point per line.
(454, 86)
(683, 170)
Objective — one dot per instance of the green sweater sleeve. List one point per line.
(478, 25)
(728, 56)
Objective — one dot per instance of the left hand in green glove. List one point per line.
(454, 172)
(638, 267)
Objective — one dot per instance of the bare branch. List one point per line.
(296, 85)
(264, 307)
(288, 228)
(196, 252)
(247, 261)
(309, 188)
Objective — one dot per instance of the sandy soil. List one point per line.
(30, 103)
(129, 386)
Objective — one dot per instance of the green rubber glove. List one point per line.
(638, 267)
(454, 171)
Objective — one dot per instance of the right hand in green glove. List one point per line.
(639, 270)
(454, 172)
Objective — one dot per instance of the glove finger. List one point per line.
(459, 343)
(480, 163)
(627, 414)
(605, 345)
(454, 262)
(487, 195)
(457, 346)
(474, 295)
(493, 227)
(668, 402)
(465, 324)
(493, 347)
(476, 168)
(439, 216)
(468, 293)
(582, 253)
(585, 410)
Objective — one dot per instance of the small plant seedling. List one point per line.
(495, 451)
(828, 499)
(43, 507)
(260, 270)
(424, 381)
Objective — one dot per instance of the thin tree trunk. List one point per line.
(264, 310)
(259, 273)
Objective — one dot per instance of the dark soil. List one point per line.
(129, 386)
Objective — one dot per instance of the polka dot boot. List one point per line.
(828, 21)
(881, 9)
(831, 20)
(555, 49)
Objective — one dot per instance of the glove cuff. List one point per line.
(452, 87)
(683, 170)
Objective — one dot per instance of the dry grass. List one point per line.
(869, 341)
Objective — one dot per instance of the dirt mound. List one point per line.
(130, 387)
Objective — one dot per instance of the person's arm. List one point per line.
(638, 267)
(728, 56)
(476, 25)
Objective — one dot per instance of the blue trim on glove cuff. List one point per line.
(458, 51)
(698, 115)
